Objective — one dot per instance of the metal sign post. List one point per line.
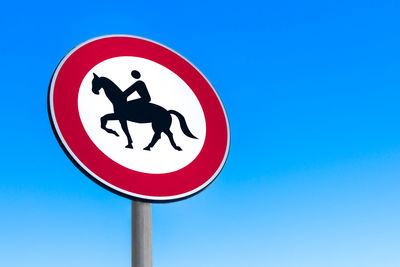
(141, 234)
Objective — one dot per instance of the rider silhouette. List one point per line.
(139, 87)
(139, 110)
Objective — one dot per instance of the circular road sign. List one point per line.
(138, 118)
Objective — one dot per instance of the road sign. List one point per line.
(138, 118)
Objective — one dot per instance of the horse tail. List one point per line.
(183, 124)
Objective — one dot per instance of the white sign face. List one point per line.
(167, 90)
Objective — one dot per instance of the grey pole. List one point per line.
(141, 234)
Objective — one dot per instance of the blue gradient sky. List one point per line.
(311, 89)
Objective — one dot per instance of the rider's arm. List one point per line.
(130, 90)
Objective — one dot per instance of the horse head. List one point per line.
(113, 93)
(96, 84)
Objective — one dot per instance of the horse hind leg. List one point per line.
(171, 140)
(156, 137)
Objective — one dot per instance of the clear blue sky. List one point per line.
(312, 91)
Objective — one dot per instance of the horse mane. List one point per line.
(110, 83)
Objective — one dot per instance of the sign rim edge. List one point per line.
(98, 179)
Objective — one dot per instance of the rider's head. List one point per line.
(135, 74)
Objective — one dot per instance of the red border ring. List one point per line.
(68, 128)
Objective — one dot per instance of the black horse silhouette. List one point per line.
(137, 111)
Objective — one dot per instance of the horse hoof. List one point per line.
(178, 148)
(146, 148)
(129, 146)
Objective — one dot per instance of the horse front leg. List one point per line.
(105, 119)
(124, 126)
